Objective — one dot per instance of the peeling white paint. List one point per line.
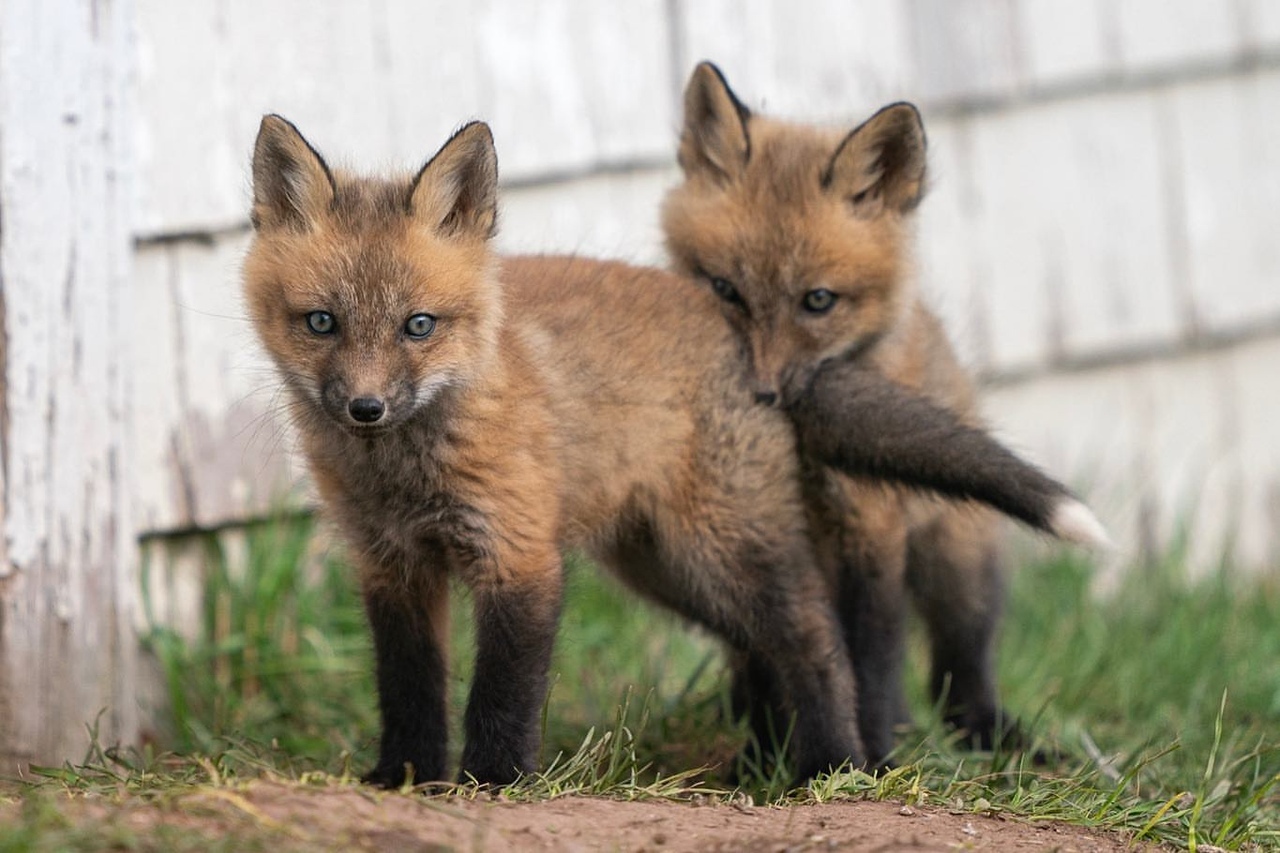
(67, 649)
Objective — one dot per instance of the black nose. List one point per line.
(766, 398)
(366, 410)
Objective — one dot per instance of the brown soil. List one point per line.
(279, 816)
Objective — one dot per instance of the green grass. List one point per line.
(1160, 702)
(281, 654)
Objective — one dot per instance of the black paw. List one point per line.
(878, 747)
(495, 767)
(997, 731)
(385, 776)
(392, 775)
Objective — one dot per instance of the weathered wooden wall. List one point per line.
(68, 551)
(1099, 232)
(1100, 236)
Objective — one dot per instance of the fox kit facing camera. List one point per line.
(462, 419)
(804, 234)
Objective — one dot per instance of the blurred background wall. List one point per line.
(1102, 232)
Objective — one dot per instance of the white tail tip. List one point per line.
(1075, 522)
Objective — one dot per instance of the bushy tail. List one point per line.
(854, 419)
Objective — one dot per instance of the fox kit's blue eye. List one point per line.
(819, 301)
(321, 322)
(419, 325)
(726, 291)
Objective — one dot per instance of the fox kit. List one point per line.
(804, 235)
(469, 418)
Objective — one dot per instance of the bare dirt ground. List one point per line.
(279, 816)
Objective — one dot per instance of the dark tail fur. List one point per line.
(855, 420)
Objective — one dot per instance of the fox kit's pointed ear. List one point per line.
(456, 192)
(881, 164)
(714, 140)
(292, 185)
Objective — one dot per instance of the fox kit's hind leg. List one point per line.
(871, 605)
(871, 595)
(957, 578)
(753, 695)
(767, 600)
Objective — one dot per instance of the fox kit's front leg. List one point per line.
(517, 603)
(517, 611)
(410, 636)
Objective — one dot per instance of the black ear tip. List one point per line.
(707, 75)
(477, 128)
(478, 137)
(275, 131)
(706, 85)
(907, 114)
(275, 123)
(707, 68)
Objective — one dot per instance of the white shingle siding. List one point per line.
(1228, 156)
(68, 561)
(211, 436)
(1169, 34)
(1066, 43)
(1104, 195)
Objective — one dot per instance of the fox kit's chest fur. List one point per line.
(397, 496)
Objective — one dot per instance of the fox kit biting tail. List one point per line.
(472, 418)
(804, 234)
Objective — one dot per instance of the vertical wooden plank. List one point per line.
(67, 550)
